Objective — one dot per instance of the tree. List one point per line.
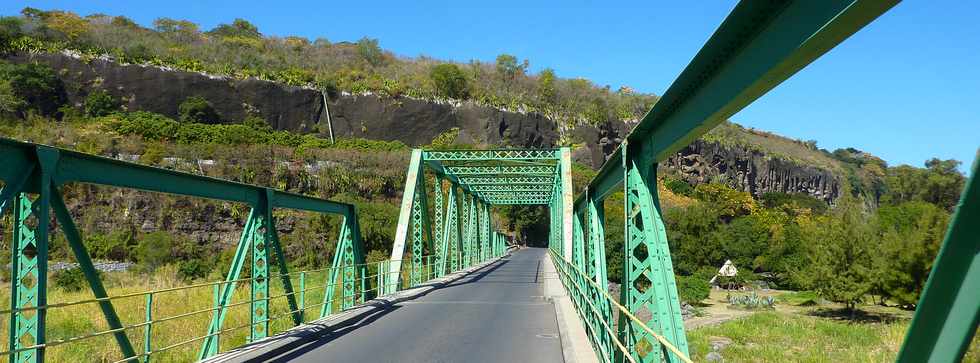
(940, 183)
(100, 103)
(238, 28)
(36, 86)
(10, 103)
(370, 51)
(839, 254)
(507, 65)
(180, 30)
(196, 109)
(912, 235)
(943, 183)
(729, 202)
(67, 23)
(450, 81)
(546, 85)
(692, 236)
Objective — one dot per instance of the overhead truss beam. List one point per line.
(527, 170)
(492, 155)
(543, 180)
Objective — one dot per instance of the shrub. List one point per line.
(238, 28)
(37, 86)
(9, 101)
(679, 187)
(450, 81)
(72, 279)
(100, 103)
(196, 109)
(368, 49)
(257, 123)
(154, 250)
(193, 269)
(692, 289)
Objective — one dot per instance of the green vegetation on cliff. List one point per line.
(240, 50)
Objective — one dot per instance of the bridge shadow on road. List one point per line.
(315, 335)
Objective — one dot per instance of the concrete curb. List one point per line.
(575, 345)
(269, 347)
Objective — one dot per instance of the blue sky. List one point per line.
(905, 88)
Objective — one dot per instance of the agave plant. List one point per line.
(751, 301)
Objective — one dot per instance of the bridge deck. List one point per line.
(496, 314)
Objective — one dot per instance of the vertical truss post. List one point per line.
(29, 265)
(259, 307)
(343, 259)
(565, 195)
(947, 315)
(485, 236)
(438, 226)
(24, 325)
(648, 281)
(474, 232)
(272, 236)
(210, 345)
(450, 234)
(597, 249)
(74, 238)
(464, 216)
(348, 266)
(578, 260)
(421, 232)
(404, 220)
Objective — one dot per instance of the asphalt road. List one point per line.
(495, 314)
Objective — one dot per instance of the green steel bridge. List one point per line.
(446, 223)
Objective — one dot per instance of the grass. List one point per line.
(84, 319)
(790, 337)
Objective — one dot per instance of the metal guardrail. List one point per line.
(578, 284)
(329, 305)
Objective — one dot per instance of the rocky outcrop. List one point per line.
(751, 171)
(412, 121)
(415, 122)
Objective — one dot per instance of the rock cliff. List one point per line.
(416, 122)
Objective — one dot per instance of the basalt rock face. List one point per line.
(415, 122)
(412, 121)
(751, 171)
(156, 89)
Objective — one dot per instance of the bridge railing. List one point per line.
(593, 304)
(758, 46)
(330, 303)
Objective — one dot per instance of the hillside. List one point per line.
(360, 90)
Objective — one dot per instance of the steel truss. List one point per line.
(758, 46)
(541, 180)
(33, 175)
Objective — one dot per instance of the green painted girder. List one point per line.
(528, 180)
(949, 309)
(519, 201)
(74, 166)
(491, 155)
(757, 47)
(518, 194)
(31, 169)
(512, 188)
(645, 231)
(409, 196)
(527, 170)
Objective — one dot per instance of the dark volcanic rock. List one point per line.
(155, 89)
(751, 171)
(416, 122)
